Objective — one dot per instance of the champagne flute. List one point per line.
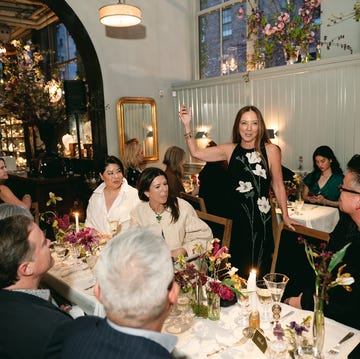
(264, 298)
(276, 283)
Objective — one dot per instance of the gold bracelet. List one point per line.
(188, 135)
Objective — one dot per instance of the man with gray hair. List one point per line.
(135, 283)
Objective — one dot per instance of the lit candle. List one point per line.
(251, 286)
(77, 227)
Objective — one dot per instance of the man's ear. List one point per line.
(97, 292)
(25, 269)
(173, 293)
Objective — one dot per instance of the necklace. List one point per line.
(158, 215)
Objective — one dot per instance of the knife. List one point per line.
(284, 316)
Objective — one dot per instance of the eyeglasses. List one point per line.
(342, 189)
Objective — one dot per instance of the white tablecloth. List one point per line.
(322, 218)
(206, 336)
(74, 280)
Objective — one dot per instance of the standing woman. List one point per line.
(112, 200)
(322, 184)
(174, 160)
(254, 163)
(6, 194)
(133, 160)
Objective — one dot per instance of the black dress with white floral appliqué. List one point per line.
(252, 240)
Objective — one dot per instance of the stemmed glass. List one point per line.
(264, 298)
(299, 203)
(276, 283)
(243, 300)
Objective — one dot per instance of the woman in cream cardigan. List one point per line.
(172, 217)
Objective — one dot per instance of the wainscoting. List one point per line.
(308, 104)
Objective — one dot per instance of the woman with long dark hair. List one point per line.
(172, 217)
(321, 185)
(254, 163)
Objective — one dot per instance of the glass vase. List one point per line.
(213, 301)
(291, 53)
(318, 325)
(199, 301)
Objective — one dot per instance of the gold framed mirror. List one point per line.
(137, 118)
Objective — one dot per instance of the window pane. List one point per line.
(205, 4)
(209, 40)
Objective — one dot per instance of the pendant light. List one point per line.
(120, 15)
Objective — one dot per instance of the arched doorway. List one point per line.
(93, 72)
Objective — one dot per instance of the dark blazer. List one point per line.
(27, 324)
(92, 338)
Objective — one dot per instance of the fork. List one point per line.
(335, 349)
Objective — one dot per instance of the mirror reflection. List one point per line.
(137, 120)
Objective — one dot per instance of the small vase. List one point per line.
(199, 301)
(318, 325)
(291, 53)
(213, 301)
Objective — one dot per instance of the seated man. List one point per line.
(136, 286)
(28, 319)
(343, 306)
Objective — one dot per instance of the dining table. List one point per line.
(322, 218)
(215, 339)
(74, 279)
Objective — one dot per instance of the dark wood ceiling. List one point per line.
(19, 17)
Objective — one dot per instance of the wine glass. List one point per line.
(243, 300)
(264, 298)
(276, 283)
(299, 203)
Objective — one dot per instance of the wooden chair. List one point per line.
(34, 209)
(212, 220)
(278, 227)
(301, 230)
(197, 202)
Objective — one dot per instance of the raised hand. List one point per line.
(185, 115)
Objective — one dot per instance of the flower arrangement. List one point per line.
(25, 80)
(323, 262)
(285, 29)
(212, 271)
(293, 186)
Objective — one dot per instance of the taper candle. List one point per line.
(77, 226)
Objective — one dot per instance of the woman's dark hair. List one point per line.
(262, 136)
(107, 161)
(173, 160)
(327, 152)
(146, 178)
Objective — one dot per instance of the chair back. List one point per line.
(214, 222)
(197, 202)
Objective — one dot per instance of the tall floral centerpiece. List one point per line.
(209, 279)
(26, 93)
(285, 29)
(323, 262)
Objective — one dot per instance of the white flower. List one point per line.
(244, 187)
(232, 271)
(263, 204)
(344, 280)
(259, 171)
(253, 157)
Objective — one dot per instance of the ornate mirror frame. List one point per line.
(137, 118)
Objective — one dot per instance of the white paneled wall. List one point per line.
(309, 104)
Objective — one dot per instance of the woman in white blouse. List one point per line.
(172, 217)
(111, 202)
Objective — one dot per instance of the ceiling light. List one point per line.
(120, 15)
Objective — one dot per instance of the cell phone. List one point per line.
(311, 194)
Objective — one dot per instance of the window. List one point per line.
(66, 53)
(223, 41)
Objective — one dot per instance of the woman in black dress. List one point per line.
(254, 163)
